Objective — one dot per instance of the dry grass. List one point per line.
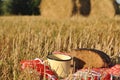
(23, 37)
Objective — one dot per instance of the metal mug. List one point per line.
(60, 63)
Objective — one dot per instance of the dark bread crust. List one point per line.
(90, 58)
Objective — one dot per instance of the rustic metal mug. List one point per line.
(60, 63)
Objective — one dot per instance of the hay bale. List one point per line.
(56, 8)
(89, 58)
(68, 8)
(64, 8)
(102, 8)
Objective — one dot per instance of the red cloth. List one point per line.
(97, 73)
(38, 65)
(115, 70)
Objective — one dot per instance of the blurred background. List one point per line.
(59, 7)
(30, 29)
(19, 7)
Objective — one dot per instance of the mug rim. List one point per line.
(70, 58)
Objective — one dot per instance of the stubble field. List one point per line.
(26, 38)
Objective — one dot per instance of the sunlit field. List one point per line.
(30, 37)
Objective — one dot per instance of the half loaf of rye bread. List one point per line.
(89, 58)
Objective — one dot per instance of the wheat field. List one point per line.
(30, 37)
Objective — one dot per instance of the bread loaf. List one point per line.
(89, 58)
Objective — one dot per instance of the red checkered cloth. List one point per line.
(115, 70)
(39, 66)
